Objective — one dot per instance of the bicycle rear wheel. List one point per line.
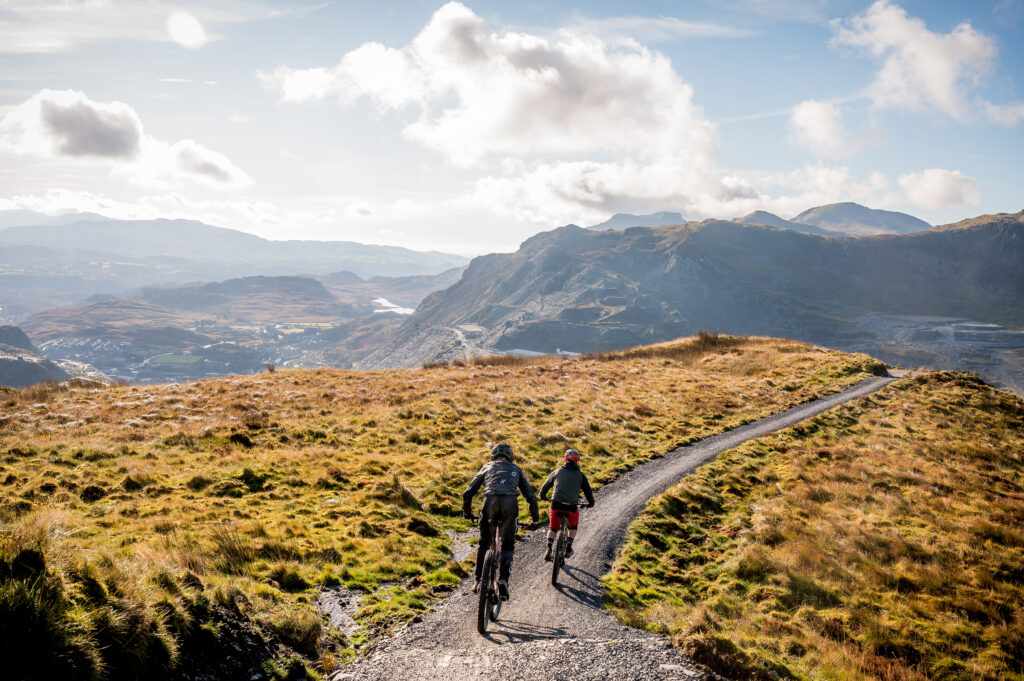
(486, 589)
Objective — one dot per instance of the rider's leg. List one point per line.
(485, 537)
(508, 507)
(552, 531)
(574, 521)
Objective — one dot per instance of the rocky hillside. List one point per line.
(20, 362)
(255, 298)
(580, 290)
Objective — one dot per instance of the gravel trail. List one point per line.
(548, 633)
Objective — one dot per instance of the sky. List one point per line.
(468, 127)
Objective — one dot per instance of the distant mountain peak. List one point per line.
(853, 219)
(763, 217)
(621, 221)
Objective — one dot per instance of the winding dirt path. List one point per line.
(546, 633)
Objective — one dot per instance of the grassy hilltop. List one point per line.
(880, 540)
(144, 529)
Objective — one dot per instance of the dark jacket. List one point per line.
(567, 480)
(501, 478)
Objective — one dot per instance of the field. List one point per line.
(881, 540)
(144, 527)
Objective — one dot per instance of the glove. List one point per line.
(590, 504)
(468, 515)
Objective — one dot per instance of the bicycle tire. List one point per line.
(486, 587)
(559, 557)
(495, 609)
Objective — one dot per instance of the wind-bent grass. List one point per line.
(881, 540)
(155, 510)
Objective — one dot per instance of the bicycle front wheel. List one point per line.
(486, 589)
(559, 557)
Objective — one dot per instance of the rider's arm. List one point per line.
(467, 496)
(546, 487)
(587, 492)
(524, 487)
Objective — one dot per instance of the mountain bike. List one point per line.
(489, 605)
(562, 540)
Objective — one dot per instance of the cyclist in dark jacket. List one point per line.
(568, 480)
(502, 481)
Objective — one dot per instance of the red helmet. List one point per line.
(572, 455)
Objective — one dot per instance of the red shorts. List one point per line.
(556, 519)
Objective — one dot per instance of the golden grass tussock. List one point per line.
(251, 492)
(880, 540)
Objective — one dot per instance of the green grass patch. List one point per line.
(880, 540)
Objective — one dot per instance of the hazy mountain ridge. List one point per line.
(62, 261)
(621, 221)
(233, 326)
(261, 298)
(575, 289)
(193, 240)
(835, 219)
(760, 217)
(854, 219)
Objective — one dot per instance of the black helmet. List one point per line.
(502, 449)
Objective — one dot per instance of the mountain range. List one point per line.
(582, 290)
(56, 262)
(836, 219)
(914, 294)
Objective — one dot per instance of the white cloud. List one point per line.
(818, 126)
(300, 85)
(65, 125)
(185, 29)
(1009, 12)
(1005, 114)
(937, 188)
(210, 167)
(789, 193)
(653, 29)
(47, 26)
(566, 125)
(483, 94)
(920, 70)
(588, 191)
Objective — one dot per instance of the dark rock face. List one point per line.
(20, 363)
(16, 338)
(580, 290)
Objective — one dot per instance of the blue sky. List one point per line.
(468, 127)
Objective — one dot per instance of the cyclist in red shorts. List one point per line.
(568, 481)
